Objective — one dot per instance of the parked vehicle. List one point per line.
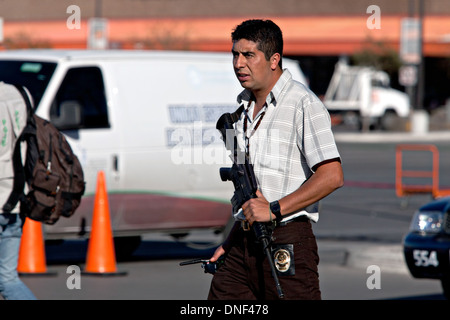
(363, 97)
(427, 245)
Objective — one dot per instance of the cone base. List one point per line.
(40, 274)
(104, 274)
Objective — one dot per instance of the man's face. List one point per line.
(250, 66)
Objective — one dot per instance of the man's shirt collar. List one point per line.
(273, 96)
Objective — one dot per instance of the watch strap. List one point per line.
(276, 210)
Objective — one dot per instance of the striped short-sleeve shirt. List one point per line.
(293, 136)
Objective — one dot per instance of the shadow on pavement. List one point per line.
(74, 251)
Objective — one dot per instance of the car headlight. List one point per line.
(427, 221)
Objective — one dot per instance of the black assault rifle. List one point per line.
(245, 186)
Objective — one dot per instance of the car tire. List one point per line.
(389, 121)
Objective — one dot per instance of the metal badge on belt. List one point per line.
(283, 258)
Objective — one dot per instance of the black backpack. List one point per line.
(52, 171)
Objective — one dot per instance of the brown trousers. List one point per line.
(246, 273)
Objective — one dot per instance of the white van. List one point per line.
(147, 119)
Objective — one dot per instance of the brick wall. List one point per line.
(26, 10)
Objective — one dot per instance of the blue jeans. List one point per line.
(11, 287)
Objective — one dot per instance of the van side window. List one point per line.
(80, 101)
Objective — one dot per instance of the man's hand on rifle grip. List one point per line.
(257, 209)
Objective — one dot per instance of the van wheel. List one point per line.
(445, 282)
(389, 121)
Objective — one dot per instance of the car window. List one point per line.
(83, 88)
(34, 75)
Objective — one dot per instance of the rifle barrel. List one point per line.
(193, 261)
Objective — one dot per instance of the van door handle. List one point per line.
(116, 163)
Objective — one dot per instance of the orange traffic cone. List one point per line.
(101, 258)
(32, 259)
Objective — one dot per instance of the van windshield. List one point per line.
(34, 75)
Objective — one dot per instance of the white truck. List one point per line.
(145, 118)
(363, 96)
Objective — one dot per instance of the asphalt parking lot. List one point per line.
(361, 225)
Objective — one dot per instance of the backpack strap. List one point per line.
(19, 172)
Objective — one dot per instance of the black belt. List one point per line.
(246, 226)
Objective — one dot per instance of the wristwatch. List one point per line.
(276, 210)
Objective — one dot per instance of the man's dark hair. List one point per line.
(265, 33)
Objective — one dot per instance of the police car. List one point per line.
(427, 245)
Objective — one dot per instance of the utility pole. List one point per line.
(421, 67)
(412, 73)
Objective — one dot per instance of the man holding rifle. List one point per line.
(285, 132)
